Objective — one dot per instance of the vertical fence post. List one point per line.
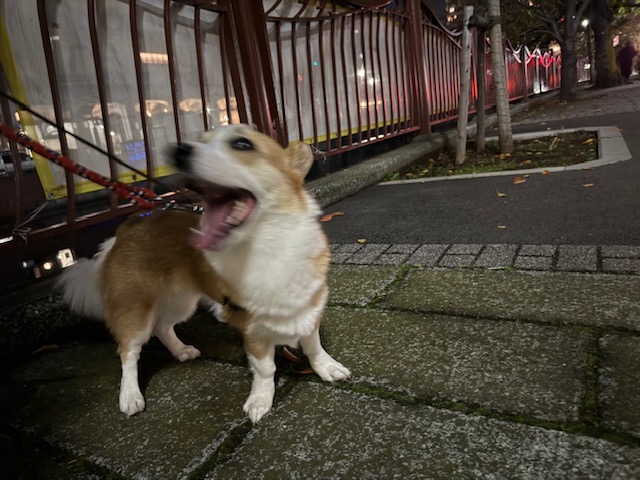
(253, 43)
(523, 57)
(420, 104)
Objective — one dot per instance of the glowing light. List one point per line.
(154, 58)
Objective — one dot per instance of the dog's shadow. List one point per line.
(216, 341)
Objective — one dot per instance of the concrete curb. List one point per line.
(339, 185)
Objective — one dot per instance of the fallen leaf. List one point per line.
(289, 355)
(526, 176)
(329, 216)
(519, 180)
(587, 185)
(45, 348)
(500, 194)
(527, 162)
(543, 123)
(545, 172)
(502, 227)
(362, 240)
(588, 141)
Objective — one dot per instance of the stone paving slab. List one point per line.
(321, 432)
(596, 300)
(368, 254)
(355, 285)
(620, 383)
(515, 368)
(577, 258)
(191, 407)
(427, 255)
(497, 255)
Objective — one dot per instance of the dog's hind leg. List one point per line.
(131, 326)
(176, 310)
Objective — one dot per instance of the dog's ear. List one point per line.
(300, 158)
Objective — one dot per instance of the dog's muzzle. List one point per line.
(180, 154)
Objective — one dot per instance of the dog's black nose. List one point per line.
(181, 155)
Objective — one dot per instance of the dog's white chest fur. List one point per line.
(274, 272)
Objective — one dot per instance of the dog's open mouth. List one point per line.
(226, 209)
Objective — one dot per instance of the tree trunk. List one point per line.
(505, 134)
(605, 60)
(569, 73)
(569, 55)
(465, 81)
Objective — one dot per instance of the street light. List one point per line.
(585, 25)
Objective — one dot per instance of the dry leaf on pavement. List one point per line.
(362, 240)
(587, 185)
(329, 216)
(500, 194)
(519, 180)
(545, 172)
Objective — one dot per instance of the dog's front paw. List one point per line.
(131, 402)
(329, 369)
(187, 352)
(257, 406)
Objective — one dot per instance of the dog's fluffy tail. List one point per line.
(80, 286)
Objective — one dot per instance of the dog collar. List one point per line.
(172, 205)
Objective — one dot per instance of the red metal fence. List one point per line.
(130, 76)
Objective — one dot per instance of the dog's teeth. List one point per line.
(232, 220)
(196, 231)
(239, 211)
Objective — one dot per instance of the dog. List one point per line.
(258, 249)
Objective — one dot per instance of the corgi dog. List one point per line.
(258, 249)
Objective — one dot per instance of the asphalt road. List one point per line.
(546, 209)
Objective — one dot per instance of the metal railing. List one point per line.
(130, 76)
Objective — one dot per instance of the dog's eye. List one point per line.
(241, 144)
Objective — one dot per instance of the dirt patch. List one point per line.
(556, 150)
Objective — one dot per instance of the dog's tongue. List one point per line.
(213, 227)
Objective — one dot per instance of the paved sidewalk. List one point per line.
(457, 373)
(470, 359)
